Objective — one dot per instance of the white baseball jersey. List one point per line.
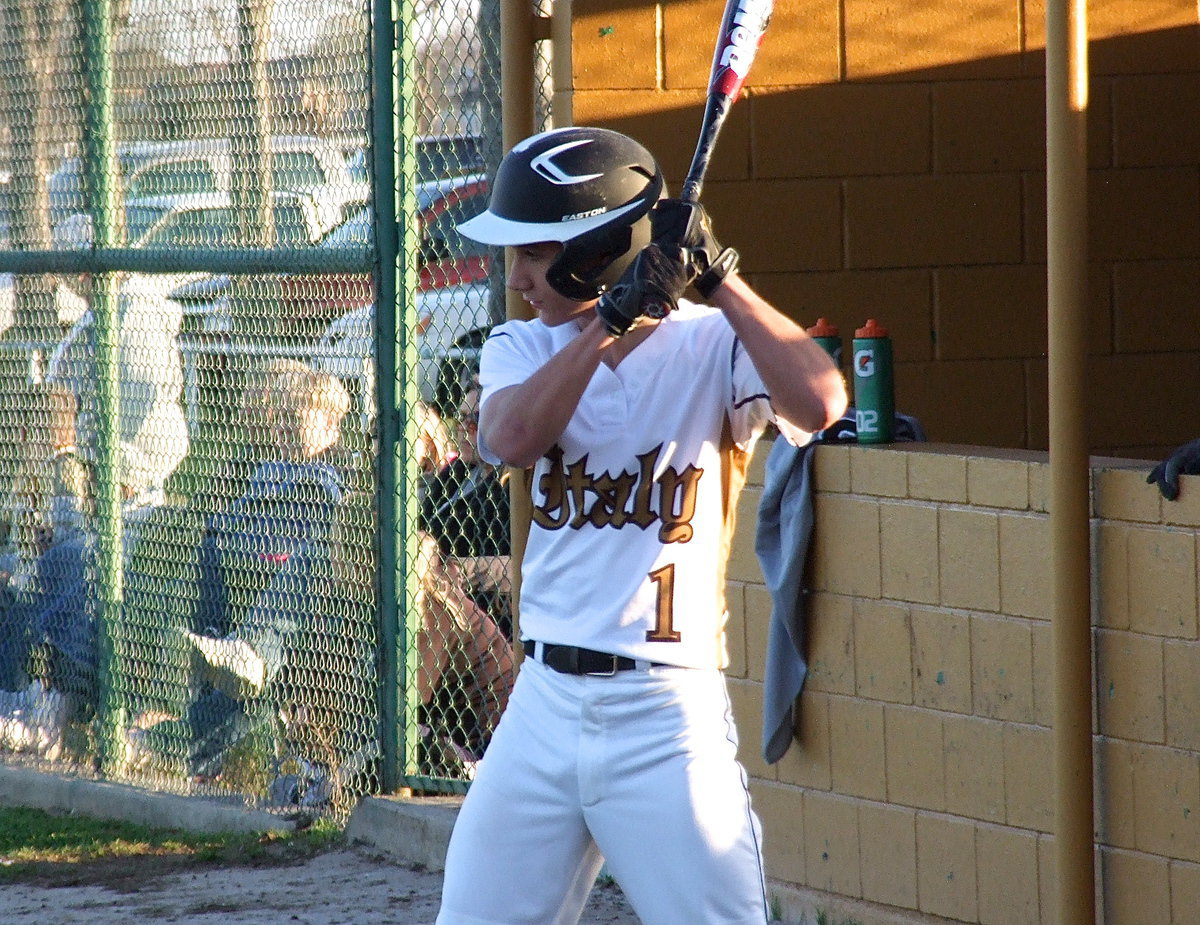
(632, 507)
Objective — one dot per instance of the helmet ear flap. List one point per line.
(592, 263)
(583, 269)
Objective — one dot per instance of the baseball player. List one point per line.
(637, 412)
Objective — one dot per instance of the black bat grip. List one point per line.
(716, 108)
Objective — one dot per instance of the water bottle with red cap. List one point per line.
(874, 391)
(830, 339)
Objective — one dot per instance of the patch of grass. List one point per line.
(33, 841)
(823, 919)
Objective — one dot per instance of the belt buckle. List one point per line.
(612, 671)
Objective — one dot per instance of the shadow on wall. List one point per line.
(916, 196)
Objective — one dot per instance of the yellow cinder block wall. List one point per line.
(919, 787)
(887, 160)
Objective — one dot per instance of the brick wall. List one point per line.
(888, 161)
(920, 786)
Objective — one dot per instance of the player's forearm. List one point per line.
(522, 422)
(806, 387)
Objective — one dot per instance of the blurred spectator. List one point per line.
(466, 509)
(279, 530)
(47, 641)
(290, 499)
(1184, 460)
(153, 433)
(297, 676)
(434, 445)
(50, 498)
(463, 651)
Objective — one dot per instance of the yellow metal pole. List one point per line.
(517, 111)
(1066, 200)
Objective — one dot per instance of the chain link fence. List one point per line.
(225, 571)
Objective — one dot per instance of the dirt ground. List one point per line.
(338, 887)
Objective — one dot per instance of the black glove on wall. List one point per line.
(1184, 461)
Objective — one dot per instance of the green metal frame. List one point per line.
(393, 262)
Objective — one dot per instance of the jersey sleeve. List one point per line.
(509, 357)
(750, 408)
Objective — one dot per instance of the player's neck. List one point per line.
(623, 346)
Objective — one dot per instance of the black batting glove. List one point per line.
(1184, 461)
(650, 287)
(686, 225)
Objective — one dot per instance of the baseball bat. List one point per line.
(742, 28)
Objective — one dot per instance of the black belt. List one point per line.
(574, 660)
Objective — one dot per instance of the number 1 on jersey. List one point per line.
(664, 622)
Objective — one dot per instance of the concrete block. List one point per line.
(881, 129)
(916, 774)
(1160, 289)
(946, 867)
(1122, 494)
(969, 138)
(1028, 789)
(908, 537)
(611, 50)
(758, 606)
(830, 644)
(973, 755)
(969, 559)
(1129, 686)
(1043, 673)
(1181, 672)
(937, 477)
(846, 548)
(831, 468)
(415, 830)
(807, 762)
(1111, 568)
(1007, 875)
(1002, 668)
(746, 698)
(1002, 483)
(878, 470)
(991, 312)
(856, 746)
(941, 660)
(914, 41)
(1162, 568)
(1167, 791)
(737, 208)
(918, 220)
(1143, 214)
(831, 844)
(882, 652)
(1116, 791)
(1137, 888)
(1184, 882)
(888, 840)
(1025, 565)
(781, 811)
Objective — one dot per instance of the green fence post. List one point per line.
(393, 149)
(100, 170)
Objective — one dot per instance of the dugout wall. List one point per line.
(888, 161)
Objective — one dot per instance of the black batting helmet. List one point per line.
(590, 189)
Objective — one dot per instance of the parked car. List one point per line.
(299, 163)
(203, 220)
(454, 323)
(438, 157)
(445, 257)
